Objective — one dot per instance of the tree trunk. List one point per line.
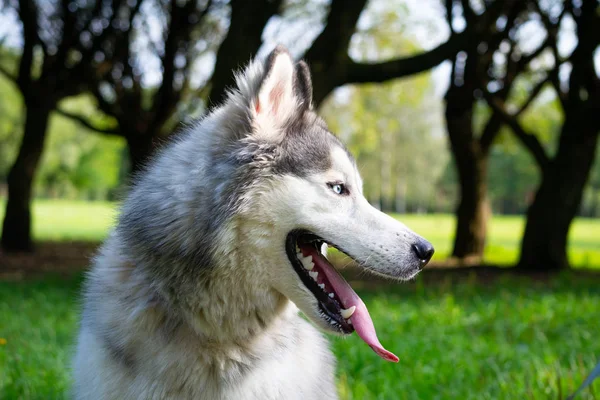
(16, 229)
(244, 38)
(140, 148)
(472, 165)
(473, 209)
(544, 245)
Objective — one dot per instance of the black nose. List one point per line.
(424, 250)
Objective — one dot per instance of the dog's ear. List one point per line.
(304, 88)
(276, 98)
(285, 93)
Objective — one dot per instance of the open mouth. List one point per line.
(339, 305)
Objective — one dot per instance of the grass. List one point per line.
(39, 321)
(77, 220)
(63, 220)
(512, 338)
(504, 238)
(508, 338)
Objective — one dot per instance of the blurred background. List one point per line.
(475, 122)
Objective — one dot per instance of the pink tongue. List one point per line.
(361, 320)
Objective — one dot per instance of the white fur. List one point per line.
(156, 327)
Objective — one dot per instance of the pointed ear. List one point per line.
(304, 89)
(276, 99)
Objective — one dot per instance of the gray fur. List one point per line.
(189, 297)
(160, 257)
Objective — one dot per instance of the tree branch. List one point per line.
(534, 93)
(179, 35)
(449, 6)
(80, 119)
(243, 40)
(333, 41)
(68, 35)
(380, 72)
(551, 41)
(87, 55)
(529, 140)
(28, 17)
(490, 132)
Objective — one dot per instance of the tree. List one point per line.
(493, 55)
(143, 114)
(60, 39)
(390, 127)
(564, 175)
(89, 45)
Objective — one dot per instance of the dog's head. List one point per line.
(306, 195)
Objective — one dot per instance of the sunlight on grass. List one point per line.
(504, 238)
(71, 220)
(90, 221)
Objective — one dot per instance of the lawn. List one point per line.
(77, 220)
(509, 338)
(504, 235)
(59, 220)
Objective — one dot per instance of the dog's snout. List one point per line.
(424, 251)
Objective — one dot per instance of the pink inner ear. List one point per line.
(275, 97)
(257, 106)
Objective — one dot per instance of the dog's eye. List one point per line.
(338, 188)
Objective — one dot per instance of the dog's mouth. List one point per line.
(339, 305)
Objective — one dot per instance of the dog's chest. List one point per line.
(294, 364)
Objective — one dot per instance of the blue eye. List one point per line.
(338, 188)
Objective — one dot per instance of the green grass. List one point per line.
(38, 323)
(504, 238)
(77, 220)
(510, 339)
(59, 220)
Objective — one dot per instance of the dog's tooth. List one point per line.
(322, 285)
(313, 274)
(308, 263)
(324, 248)
(347, 313)
(331, 295)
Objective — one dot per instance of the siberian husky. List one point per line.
(195, 294)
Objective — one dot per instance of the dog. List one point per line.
(222, 240)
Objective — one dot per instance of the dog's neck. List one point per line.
(232, 309)
(235, 302)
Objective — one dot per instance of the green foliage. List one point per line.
(511, 338)
(76, 163)
(513, 176)
(391, 130)
(11, 120)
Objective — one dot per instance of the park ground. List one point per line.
(472, 334)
